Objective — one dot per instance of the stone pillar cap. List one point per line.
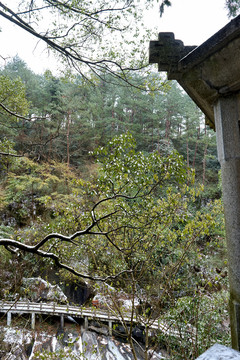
(205, 72)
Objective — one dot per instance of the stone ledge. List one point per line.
(220, 352)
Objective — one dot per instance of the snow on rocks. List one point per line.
(37, 289)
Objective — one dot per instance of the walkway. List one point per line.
(21, 307)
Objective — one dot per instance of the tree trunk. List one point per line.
(204, 156)
(68, 140)
(196, 148)
(187, 153)
(167, 130)
(204, 164)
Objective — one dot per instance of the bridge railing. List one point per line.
(80, 312)
(21, 306)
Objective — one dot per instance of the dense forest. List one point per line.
(116, 184)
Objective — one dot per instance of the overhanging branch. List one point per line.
(14, 245)
(10, 154)
(94, 229)
(69, 51)
(18, 115)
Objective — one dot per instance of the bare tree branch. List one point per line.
(10, 154)
(20, 116)
(68, 50)
(14, 245)
(37, 249)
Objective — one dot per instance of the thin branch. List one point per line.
(72, 54)
(29, 11)
(5, 8)
(56, 3)
(20, 116)
(10, 154)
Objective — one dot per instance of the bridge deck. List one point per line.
(67, 310)
(21, 307)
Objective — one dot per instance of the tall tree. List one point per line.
(13, 107)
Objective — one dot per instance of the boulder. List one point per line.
(105, 294)
(37, 289)
(219, 352)
(138, 334)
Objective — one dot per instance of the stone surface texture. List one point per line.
(70, 343)
(210, 74)
(37, 289)
(220, 352)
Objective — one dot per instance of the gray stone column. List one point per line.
(110, 327)
(86, 323)
(62, 322)
(9, 318)
(227, 117)
(33, 321)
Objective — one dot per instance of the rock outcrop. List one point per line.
(37, 289)
(72, 343)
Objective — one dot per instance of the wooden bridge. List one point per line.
(53, 309)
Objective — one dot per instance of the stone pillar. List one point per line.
(33, 321)
(9, 318)
(110, 327)
(86, 323)
(227, 120)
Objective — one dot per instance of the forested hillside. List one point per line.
(119, 185)
(69, 118)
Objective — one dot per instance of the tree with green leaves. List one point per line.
(135, 223)
(67, 119)
(29, 184)
(13, 103)
(13, 109)
(233, 7)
